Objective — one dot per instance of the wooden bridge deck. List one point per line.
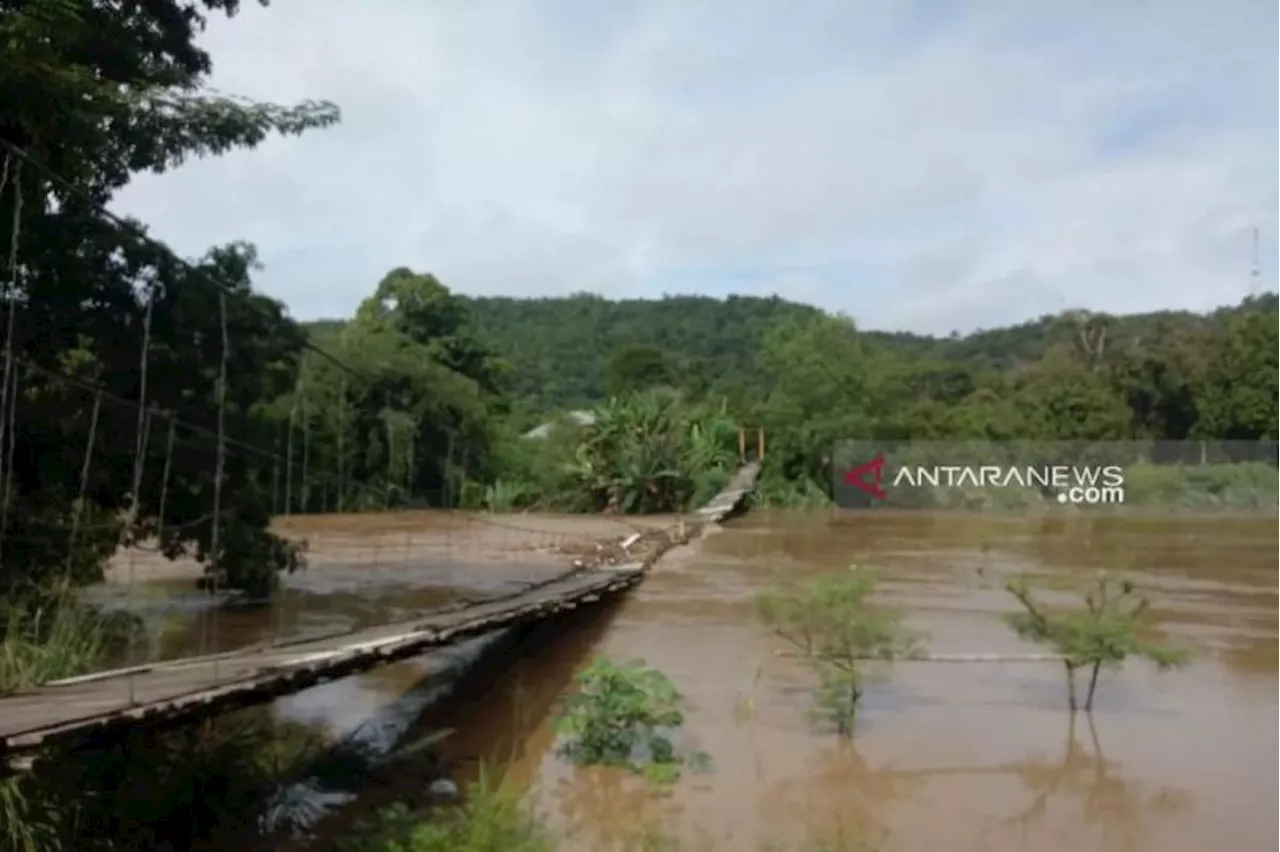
(166, 693)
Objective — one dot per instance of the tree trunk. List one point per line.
(1093, 684)
(1071, 685)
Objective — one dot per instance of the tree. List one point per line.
(1237, 398)
(1060, 398)
(94, 93)
(1088, 335)
(637, 368)
(1104, 633)
(425, 312)
(1158, 378)
(652, 452)
(830, 621)
(416, 415)
(821, 391)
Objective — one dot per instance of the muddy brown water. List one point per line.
(947, 756)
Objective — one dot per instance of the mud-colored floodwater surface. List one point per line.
(950, 756)
(958, 756)
(363, 569)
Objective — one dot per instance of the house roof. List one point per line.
(581, 417)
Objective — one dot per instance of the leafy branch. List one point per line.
(1102, 633)
(831, 623)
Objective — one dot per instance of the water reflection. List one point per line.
(840, 791)
(604, 807)
(1117, 808)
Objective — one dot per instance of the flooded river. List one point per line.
(975, 756)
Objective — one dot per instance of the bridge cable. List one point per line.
(129, 532)
(215, 539)
(288, 470)
(7, 436)
(78, 509)
(164, 481)
(199, 274)
(195, 429)
(8, 465)
(306, 452)
(342, 430)
(6, 432)
(202, 276)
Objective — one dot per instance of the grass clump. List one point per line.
(832, 625)
(494, 818)
(1102, 633)
(490, 819)
(55, 637)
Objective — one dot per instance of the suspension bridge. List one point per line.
(176, 691)
(149, 404)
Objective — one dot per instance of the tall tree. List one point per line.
(418, 416)
(1238, 396)
(638, 368)
(93, 93)
(823, 391)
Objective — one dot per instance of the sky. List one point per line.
(922, 165)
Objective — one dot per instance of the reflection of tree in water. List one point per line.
(1118, 808)
(840, 791)
(607, 806)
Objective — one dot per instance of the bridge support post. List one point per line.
(750, 444)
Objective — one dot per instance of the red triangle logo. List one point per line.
(866, 477)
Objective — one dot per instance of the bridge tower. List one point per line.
(750, 444)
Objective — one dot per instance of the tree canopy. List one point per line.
(91, 94)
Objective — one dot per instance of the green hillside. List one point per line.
(558, 349)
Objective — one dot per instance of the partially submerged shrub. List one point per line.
(620, 717)
(1102, 633)
(831, 623)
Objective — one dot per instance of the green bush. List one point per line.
(1243, 485)
(619, 717)
(491, 819)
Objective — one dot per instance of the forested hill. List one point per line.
(559, 348)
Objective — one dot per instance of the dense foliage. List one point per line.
(94, 93)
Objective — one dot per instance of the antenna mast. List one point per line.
(1255, 274)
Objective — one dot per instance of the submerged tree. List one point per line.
(830, 621)
(1102, 634)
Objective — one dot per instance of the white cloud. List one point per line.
(928, 165)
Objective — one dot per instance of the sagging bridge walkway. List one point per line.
(100, 704)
